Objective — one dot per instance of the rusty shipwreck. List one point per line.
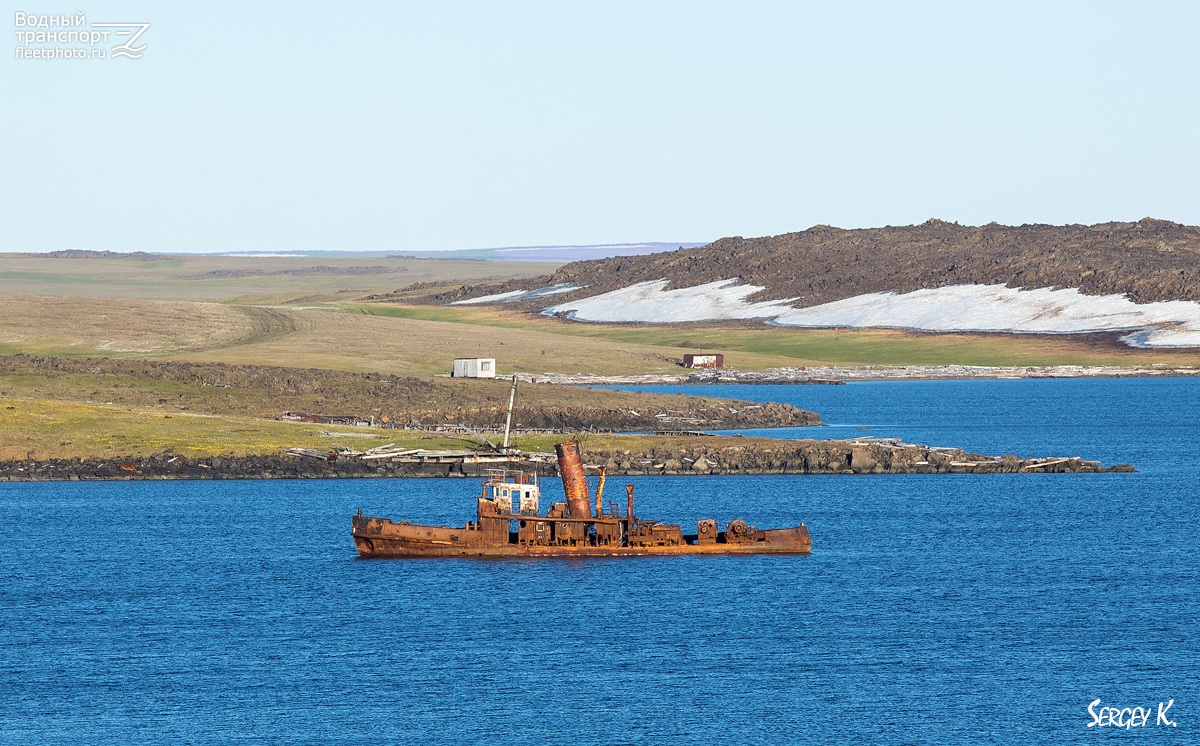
(508, 524)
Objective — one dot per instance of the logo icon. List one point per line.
(126, 29)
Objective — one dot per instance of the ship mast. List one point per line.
(512, 393)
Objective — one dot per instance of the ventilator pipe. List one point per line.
(575, 485)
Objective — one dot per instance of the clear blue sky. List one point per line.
(403, 126)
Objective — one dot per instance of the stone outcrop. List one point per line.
(786, 457)
(832, 457)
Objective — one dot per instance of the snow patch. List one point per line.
(513, 296)
(957, 308)
(650, 302)
(997, 308)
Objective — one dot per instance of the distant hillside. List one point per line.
(1150, 260)
(1096, 278)
(560, 253)
(89, 254)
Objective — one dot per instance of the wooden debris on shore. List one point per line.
(393, 454)
(308, 452)
(1051, 462)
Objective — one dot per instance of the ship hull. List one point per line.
(382, 538)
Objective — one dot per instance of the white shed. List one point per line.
(474, 367)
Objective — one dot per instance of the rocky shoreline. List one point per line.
(833, 374)
(858, 457)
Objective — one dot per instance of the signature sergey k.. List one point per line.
(1128, 717)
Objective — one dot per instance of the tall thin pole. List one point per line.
(512, 394)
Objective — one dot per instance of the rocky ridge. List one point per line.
(1149, 260)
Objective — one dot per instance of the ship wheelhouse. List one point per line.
(513, 492)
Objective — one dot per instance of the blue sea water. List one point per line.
(933, 609)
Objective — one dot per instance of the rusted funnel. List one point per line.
(574, 482)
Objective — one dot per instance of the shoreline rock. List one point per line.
(803, 457)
